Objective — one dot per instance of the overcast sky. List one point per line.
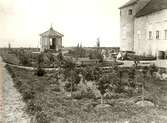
(81, 21)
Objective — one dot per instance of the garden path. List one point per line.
(11, 104)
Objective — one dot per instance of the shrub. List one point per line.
(84, 94)
(41, 117)
(28, 94)
(24, 58)
(131, 77)
(40, 72)
(152, 68)
(32, 108)
(10, 71)
(107, 82)
(89, 93)
(68, 87)
(27, 91)
(55, 88)
(18, 84)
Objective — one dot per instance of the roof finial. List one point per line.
(51, 26)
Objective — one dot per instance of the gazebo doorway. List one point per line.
(52, 43)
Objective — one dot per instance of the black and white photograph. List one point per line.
(83, 61)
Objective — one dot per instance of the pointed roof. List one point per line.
(129, 3)
(51, 33)
(152, 6)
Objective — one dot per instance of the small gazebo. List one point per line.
(51, 40)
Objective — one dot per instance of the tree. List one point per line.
(74, 79)
(141, 79)
(120, 75)
(91, 73)
(40, 61)
(24, 57)
(152, 69)
(144, 73)
(71, 75)
(136, 61)
(107, 54)
(60, 58)
(131, 79)
(98, 42)
(107, 82)
(87, 73)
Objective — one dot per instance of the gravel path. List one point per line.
(11, 105)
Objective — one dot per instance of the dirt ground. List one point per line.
(11, 104)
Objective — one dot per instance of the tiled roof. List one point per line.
(51, 33)
(152, 6)
(131, 2)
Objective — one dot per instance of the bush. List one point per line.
(55, 87)
(24, 58)
(13, 75)
(41, 117)
(28, 94)
(84, 94)
(40, 72)
(32, 108)
(18, 84)
(67, 87)
(27, 91)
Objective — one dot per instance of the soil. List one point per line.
(11, 104)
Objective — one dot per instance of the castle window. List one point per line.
(130, 11)
(157, 34)
(150, 35)
(165, 34)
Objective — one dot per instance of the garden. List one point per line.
(90, 94)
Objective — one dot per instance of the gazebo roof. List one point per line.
(51, 33)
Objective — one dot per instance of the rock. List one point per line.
(100, 106)
(164, 76)
(60, 120)
(145, 103)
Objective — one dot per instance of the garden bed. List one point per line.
(47, 101)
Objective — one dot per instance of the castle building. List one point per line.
(143, 25)
(51, 40)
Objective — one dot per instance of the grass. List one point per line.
(46, 100)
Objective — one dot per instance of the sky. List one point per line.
(81, 21)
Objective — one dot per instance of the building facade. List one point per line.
(51, 40)
(144, 26)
